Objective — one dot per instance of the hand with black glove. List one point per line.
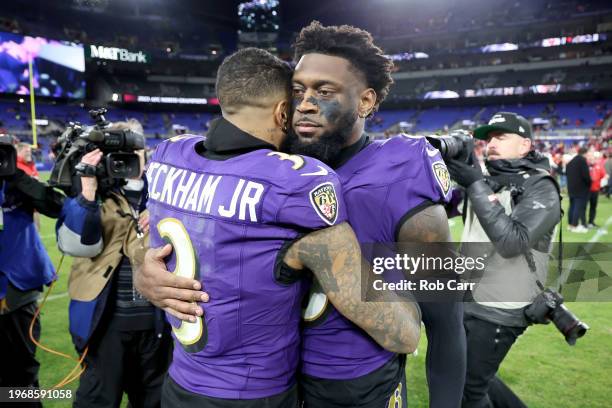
(464, 174)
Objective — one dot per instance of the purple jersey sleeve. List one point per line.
(426, 181)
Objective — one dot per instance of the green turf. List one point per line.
(541, 368)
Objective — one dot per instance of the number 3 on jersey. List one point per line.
(192, 336)
(298, 161)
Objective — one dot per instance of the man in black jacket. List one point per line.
(513, 211)
(578, 187)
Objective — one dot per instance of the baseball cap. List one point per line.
(506, 122)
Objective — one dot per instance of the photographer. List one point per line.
(515, 209)
(25, 267)
(128, 344)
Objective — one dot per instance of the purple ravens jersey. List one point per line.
(383, 183)
(229, 222)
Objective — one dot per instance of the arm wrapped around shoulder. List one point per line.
(334, 256)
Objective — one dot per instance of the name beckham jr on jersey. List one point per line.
(191, 191)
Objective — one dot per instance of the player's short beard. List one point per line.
(328, 146)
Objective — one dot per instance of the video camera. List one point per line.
(119, 160)
(8, 156)
(457, 145)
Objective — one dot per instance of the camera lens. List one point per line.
(123, 165)
(119, 167)
(575, 333)
(568, 324)
(454, 146)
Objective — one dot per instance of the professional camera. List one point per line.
(117, 145)
(548, 306)
(8, 156)
(457, 145)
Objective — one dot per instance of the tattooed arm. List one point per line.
(334, 256)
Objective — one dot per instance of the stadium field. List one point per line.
(541, 368)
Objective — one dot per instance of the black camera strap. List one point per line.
(560, 255)
(134, 203)
(532, 267)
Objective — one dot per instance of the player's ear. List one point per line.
(367, 102)
(281, 114)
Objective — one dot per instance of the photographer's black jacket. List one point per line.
(526, 227)
(521, 235)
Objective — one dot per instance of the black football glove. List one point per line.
(464, 174)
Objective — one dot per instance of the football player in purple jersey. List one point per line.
(395, 191)
(245, 221)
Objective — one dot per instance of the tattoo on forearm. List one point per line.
(333, 255)
(318, 259)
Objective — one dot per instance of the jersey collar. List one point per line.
(225, 140)
(348, 152)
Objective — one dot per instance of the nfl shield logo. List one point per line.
(324, 201)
